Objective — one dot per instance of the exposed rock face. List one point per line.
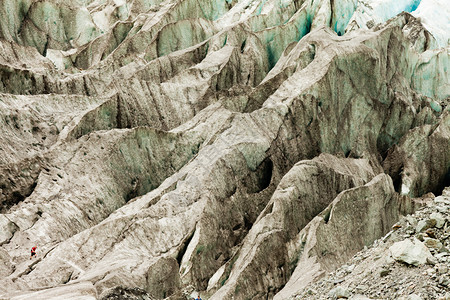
(240, 149)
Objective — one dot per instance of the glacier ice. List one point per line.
(368, 14)
(435, 16)
(235, 92)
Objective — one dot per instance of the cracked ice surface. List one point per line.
(371, 13)
(435, 16)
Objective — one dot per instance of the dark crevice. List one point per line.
(247, 223)
(330, 24)
(442, 184)
(393, 166)
(122, 118)
(44, 52)
(243, 46)
(29, 269)
(183, 247)
(136, 186)
(14, 197)
(397, 180)
(119, 113)
(261, 178)
(49, 251)
(327, 214)
(68, 278)
(237, 227)
(265, 174)
(347, 153)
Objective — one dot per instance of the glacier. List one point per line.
(240, 149)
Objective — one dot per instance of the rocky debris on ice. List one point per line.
(401, 265)
(355, 218)
(410, 252)
(339, 292)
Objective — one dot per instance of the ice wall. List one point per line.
(435, 16)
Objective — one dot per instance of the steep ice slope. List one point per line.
(180, 148)
(433, 14)
(371, 13)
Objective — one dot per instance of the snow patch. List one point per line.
(214, 280)
(119, 2)
(368, 14)
(405, 189)
(435, 17)
(101, 19)
(60, 58)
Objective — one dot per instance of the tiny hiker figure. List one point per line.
(198, 298)
(33, 252)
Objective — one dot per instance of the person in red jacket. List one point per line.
(33, 252)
